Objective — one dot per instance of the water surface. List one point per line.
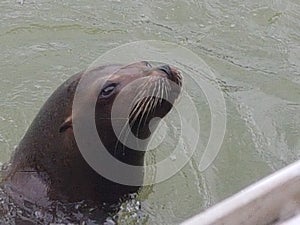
(253, 46)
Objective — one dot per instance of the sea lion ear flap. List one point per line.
(66, 125)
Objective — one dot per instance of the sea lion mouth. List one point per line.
(155, 98)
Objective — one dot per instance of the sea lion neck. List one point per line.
(55, 160)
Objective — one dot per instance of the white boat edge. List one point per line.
(273, 200)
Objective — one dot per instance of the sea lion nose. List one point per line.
(172, 73)
(167, 70)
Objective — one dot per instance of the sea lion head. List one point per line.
(128, 98)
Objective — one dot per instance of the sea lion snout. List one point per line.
(166, 69)
(173, 73)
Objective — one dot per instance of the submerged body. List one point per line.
(48, 171)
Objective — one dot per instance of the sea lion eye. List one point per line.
(108, 90)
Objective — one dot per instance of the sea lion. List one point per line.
(48, 167)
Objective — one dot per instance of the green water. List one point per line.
(254, 47)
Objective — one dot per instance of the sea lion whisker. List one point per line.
(145, 98)
(157, 96)
(156, 100)
(166, 92)
(138, 97)
(141, 93)
(137, 102)
(166, 85)
(160, 92)
(144, 105)
(145, 113)
(128, 130)
(154, 105)
(129, 123)
(142, 113)
(121, 139)
(133, 115)
(126, 127)
(135, 108)
(142, 90)
(150, 103)
(136, 112)
(147, 110)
